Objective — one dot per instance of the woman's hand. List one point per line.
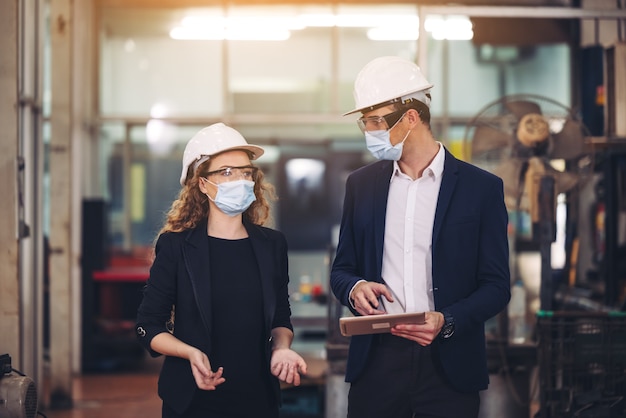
(166, 344)
(205, 378)
(287, 365)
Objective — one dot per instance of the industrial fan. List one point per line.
(522, 138)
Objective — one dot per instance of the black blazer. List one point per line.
(470, 260)
(180, 277)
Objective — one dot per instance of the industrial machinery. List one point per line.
(537, 146)
(524, 137)
(18, 393)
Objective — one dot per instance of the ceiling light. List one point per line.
(393, 33)
(318, 20)
(234, 28)
(401, 27)
(240, 33)
(453, 28)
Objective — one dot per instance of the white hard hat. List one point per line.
(387, 80)
(212, 140)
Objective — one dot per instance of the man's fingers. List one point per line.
(387, 295)
(380, 289)
(373, 301)
(371, 292)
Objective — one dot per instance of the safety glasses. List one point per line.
(247, 172)
(380, 123)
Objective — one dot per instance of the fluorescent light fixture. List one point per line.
(452, 28)
(283, 22)
(257, 34)
(406, 28)
(361, 20)
(393, 33)
(203, 21)
(317, 20)
(433, 22)
(232, 33)
(188, 34)
(218, 28)
(399, 27)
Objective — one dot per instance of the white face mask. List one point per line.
(234, 197)
(379, 144)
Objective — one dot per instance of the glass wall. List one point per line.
(166, 73)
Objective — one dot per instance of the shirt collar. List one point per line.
(396, 171)
(435, 167)
(437, 164)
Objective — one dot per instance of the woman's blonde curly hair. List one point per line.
(191, 206)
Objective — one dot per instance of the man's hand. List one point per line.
(423, 334)
(365, 297)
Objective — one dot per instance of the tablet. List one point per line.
(377, 324)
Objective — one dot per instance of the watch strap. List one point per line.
(448, 327)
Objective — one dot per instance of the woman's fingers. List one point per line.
(211, 381)
(288, 373)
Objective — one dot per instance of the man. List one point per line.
(421, 232)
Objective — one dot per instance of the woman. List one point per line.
(216, 303)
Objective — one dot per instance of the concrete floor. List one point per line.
(132, 395)
(112, 395)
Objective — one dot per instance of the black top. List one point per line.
(181, 276)
(237, 330)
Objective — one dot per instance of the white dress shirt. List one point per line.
(407, 250)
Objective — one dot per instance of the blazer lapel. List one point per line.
(448, 183)
(265, 258)
(381, 193)
(196, 256)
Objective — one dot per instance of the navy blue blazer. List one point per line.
(180, 277)
(470, 260)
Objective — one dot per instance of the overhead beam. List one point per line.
(534, 9)
(528, 12)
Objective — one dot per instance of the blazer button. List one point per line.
(141, 332)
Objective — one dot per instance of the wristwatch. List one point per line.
(447, 330)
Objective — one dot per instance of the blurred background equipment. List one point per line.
(537, 146)
(18, 394)
(523, 137)
(582, 356)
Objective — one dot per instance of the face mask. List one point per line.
(379, 144)
(234, 197)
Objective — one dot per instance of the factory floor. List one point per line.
(114, 394)
(134, 394)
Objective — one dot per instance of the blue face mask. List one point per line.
(379, 144)
(234, 197)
